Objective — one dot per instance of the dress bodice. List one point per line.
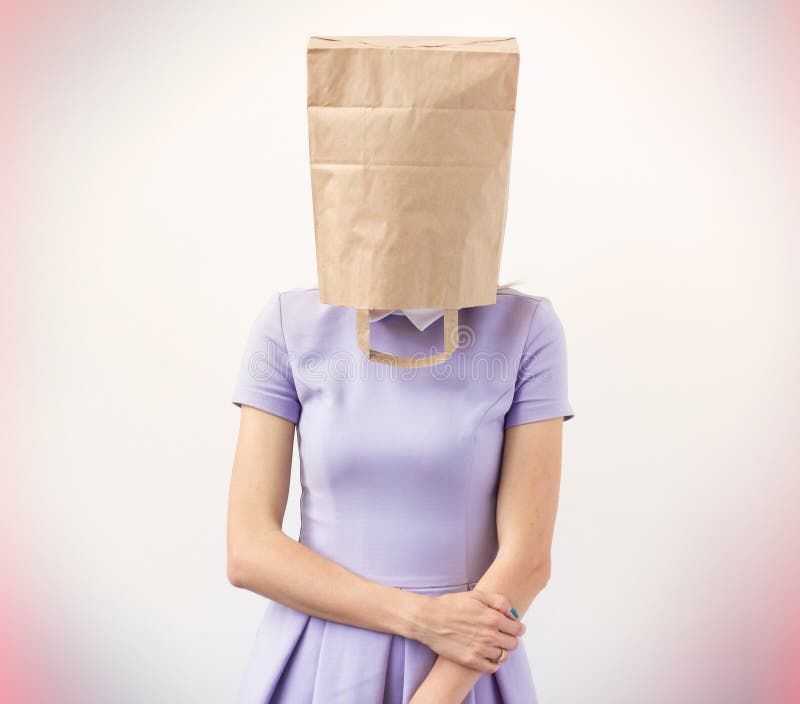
(399, 467)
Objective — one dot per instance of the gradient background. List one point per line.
(154, 190)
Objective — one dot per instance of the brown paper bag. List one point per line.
(410, 149)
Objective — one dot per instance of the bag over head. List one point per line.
(410, 150)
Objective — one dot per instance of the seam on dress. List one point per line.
(518, 294)
(280, 319)
(296, 433)
(469, 478)
(527, 337)
(511, 390)
(286, 347)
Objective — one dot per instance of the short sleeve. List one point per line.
(265, 379)
(540, 391)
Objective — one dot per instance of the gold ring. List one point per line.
(500, 658)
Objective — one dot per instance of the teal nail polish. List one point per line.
(514, 611)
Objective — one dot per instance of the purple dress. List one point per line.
(399, 471)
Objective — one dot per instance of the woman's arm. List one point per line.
(264, 560)
(526, 510)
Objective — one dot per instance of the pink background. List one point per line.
(154, 190)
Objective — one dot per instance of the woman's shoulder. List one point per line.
(516, 318)
(295, 303)
(520, 306)
(519, 298)
(298, 310)
(302, 304)
(308, 295)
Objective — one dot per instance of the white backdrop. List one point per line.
(161, 193)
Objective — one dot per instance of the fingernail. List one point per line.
(514, 611)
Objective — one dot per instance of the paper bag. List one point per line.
(410, 150)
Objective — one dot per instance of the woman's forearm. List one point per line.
(448, 682)
(286, 571)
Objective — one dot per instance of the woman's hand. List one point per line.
(469, 628)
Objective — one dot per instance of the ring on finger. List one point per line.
(502, 657)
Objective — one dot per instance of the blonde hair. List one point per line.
(511, 284)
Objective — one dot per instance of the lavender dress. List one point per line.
(399, 471)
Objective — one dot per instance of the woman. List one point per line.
(428, 501)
